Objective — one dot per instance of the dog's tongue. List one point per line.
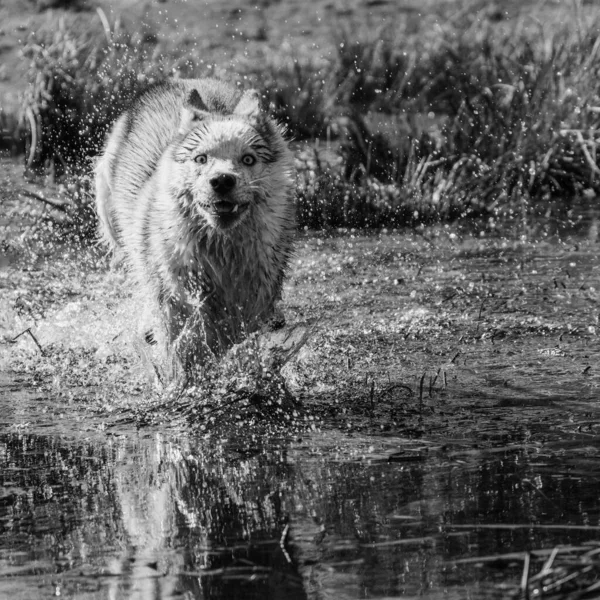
(225, 207)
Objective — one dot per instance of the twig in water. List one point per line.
(432, 381)
(571, 576)
(28, 331)
(525, 577)
(400, 542)
(282, 542)
(548, 564)
(53, 203)
(510, 556)
(534, 526)
(118, 335)
(160, 379)
(538, 491)
(223, 406)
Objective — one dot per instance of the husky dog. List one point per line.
(194, 194)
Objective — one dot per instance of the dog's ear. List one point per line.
(249, 106)
(193, 110)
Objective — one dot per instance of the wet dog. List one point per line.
(194, 194)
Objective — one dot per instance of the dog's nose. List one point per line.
(224, 182)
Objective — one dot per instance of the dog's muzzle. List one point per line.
(226, 207)
(226, 212)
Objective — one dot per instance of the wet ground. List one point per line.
(444, 430)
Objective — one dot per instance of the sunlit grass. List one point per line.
(80, 80)
(458, 117)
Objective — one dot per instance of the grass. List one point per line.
(67, 110)
(296, 91)
(567, 572)
(472, 115)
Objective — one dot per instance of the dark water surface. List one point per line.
(505, 461)
(320, 515)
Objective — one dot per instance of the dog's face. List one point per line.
(220, 162)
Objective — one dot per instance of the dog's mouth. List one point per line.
(223, 207)
(226, 213)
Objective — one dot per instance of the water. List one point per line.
(318, 515)
(449, 426)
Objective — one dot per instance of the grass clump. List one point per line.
(80, 82)
(297, 93)
(470, 115)
(327, 199)
(520, 113)
(374, 72)
(513, 120)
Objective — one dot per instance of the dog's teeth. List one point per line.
(235, 208)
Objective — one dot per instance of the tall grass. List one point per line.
(297, 91)
(80, 80)
(522, 112)
(487, 114)
(519, 119)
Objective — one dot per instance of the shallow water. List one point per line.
(391, 495)
(321, 515)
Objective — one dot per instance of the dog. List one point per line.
(194, 194)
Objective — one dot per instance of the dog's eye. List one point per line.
(248, 160)
(201, 159)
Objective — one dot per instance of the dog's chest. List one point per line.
(230, 277)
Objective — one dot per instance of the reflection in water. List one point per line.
(148, 519)
(155, 518)
(211, 522)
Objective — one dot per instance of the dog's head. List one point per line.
(224, 161)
